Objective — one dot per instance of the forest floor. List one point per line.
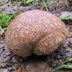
(9, 62)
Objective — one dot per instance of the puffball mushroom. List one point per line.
(37, 32)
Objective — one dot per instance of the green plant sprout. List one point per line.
(45, 4)
(66, 17)
(42, 3)
(11, 6)
(24, 1)
(3, 3)
(29, 1)
(50, 4)
(68, 60)
(4, 21)
(64, 66)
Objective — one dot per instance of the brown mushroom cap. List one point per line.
(35, 31)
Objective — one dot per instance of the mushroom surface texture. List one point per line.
(35, 31)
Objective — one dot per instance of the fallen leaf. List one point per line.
(19, 70)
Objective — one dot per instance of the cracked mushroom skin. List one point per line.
(37, 32)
